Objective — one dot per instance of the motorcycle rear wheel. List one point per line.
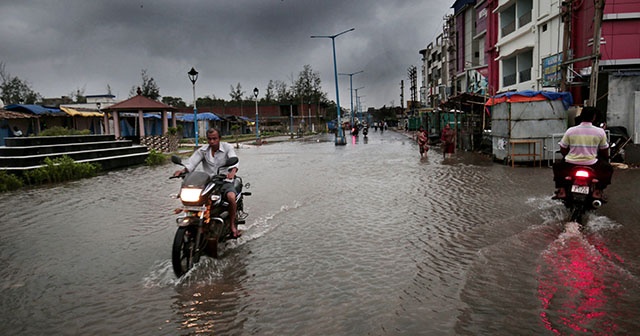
(184, 252)
(577, 213)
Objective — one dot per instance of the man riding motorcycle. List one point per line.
(214, 155)
(584, 145)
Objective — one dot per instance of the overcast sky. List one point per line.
(61, 46)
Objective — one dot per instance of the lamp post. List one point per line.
(193, 76)
(351, 88)
(255, 94)
(340, 140)
(356, 90)
(105, 120)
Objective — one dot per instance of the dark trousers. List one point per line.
(603, 169)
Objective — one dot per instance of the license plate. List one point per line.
(580, 189)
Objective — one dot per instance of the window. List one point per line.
(508, 21)
(517, 69)
(515, 16)
(509, 71)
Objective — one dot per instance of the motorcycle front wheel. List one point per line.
(185, 252)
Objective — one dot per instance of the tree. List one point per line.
(269, 94)
(16, 90)
(236, 93)
(308, 86)
(78, 96)
(282, 91)
(173, 101)
(149, 88)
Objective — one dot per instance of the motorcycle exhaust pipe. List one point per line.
(596, 204)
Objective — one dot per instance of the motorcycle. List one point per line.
(203, 221)
(581, 183)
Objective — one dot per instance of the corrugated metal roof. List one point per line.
(5, 114)
(74, 112)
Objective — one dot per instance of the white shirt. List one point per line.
(211, 163)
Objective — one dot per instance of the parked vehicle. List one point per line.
(203, 221)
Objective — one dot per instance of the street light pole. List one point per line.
(356, 90)
(340, 140)
(351, 88)
(255, 94)
(193, 76)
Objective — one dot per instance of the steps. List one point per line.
(26, 153)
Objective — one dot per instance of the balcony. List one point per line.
(525, 75)
(508, 29)
(509, 80)
(524, 19)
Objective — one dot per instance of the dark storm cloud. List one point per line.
(61, 46)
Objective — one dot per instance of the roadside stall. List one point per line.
(526, 123)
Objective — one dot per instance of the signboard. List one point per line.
(551, 70)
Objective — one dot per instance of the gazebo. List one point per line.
(140, 104)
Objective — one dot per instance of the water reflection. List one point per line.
(208, 296)
(580, 286)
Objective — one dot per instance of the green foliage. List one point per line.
(15, 90)
(9, 182)
(155, 158)
(173, 101)
(60, 170)
(172, 130)
(149, 88)
(58, 130)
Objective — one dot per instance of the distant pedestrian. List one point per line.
(448, 139)
(423, 142)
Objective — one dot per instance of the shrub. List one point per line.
(155, 158)
(59, 170)
(9, 182)
(57, 131)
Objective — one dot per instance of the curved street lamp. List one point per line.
(193, 77)
(340, 140)
(255, 94)
(351, 88)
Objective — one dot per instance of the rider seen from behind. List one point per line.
(584, 145)
(212, 156)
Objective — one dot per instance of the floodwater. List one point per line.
(362, 239)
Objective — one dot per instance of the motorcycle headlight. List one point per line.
(190, 194)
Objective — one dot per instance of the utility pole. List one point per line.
(564, 66)
(597, 25)
(402, 94)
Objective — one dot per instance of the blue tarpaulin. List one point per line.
(35, 109)
(530, 95)
(201, 116)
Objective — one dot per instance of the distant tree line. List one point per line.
(306, 88)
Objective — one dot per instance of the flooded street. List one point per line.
(362, 239)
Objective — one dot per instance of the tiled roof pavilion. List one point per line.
(140, 104)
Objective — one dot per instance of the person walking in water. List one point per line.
(423, 142)
(448, 139)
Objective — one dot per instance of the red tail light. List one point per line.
(582, 173)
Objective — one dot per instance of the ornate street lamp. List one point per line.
(193, 77)
(255, 94)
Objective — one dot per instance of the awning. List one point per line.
(76, 113)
